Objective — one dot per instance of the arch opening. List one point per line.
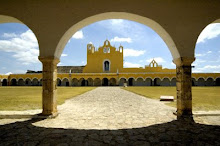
(105, 82)
(118, 15)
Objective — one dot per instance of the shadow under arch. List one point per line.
(118, 15)
(175, 132)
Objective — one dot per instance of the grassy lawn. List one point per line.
(26, 98)
(204, 98)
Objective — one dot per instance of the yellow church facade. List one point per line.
(105, 68)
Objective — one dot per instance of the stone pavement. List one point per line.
(109, 116)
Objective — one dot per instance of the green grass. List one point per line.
(203, 98)
(26, 98)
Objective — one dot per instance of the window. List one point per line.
(106, 50)
(106, 66)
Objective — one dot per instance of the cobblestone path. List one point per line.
(109, 108)
(109, 116)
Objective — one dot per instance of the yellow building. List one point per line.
(105, 68)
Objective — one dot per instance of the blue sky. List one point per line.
(19, 49)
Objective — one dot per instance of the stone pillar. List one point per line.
(183, 87)
(49, 85)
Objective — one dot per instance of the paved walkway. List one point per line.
(108, 116)
(109, 108)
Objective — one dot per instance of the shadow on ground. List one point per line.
(171, 133)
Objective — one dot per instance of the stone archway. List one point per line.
(28, 82)
(209, 82)
(4, 82)
(59, 82)
(13, 82)
(122, 81)
(194, 82)
(165, 82)
(105, 82)
(40, 82)
(173, 82)
(75, 82)
(112, 82)
(148, 82)
(35, 82)
(90, 81)
(97, 82)
(217, 82)
(65, 82)
(21, 82)
(201, 82)
(157, 82)
(118, 15)
(140, 82)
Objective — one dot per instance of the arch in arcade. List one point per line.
(165, 82)
(4, 82)
(131, 81)
(35, 82)
(105, 82)
(201, 82)
(194, 82)
(112, 82)
(217, 81)
(97, 82)
(83, 82)
(13, 82)
(59, 82)
(90, 82)
(21, 82)
(209, 82)
(28, 82)
(40, 82)
(173, 82)
(122, 81)
(148, 81)
(75, 82)
(65, 82)
(140, 81)
(157, 81)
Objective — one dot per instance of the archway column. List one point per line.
(184, 87)
(49, 85)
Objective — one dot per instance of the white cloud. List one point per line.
(117, 39)
(157, 59)
(200, 55)
(128, 64)
(207, 68)
(210, 32)
(116, 21)
(200, 60)
(8, 73)
(9, 35)
(212, 67)
(132, 52)
(24, 47)
(64, 55)
(78, 35)
(209, 52)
